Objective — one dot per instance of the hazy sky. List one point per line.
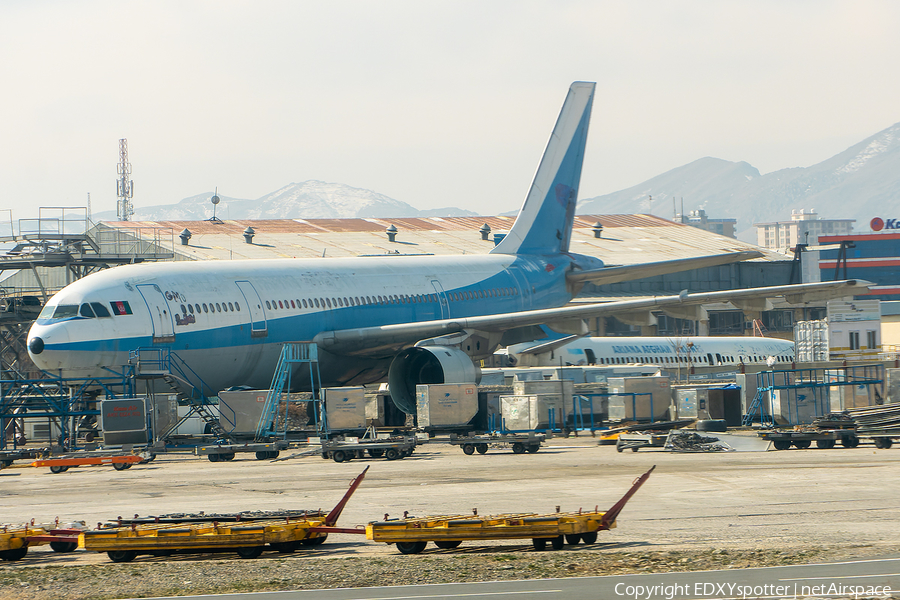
(432, 103)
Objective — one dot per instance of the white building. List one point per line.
(805, 227)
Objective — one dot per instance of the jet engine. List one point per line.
(428, 364)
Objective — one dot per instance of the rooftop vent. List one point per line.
(597, 229)
(391, 233)
(248, 235)
(485, 231)
(185, 236)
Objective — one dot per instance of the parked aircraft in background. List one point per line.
(666, 352)
(416, 319)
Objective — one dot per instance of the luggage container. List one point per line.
(345, 408)
(446, 406)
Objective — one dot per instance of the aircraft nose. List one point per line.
(36, 345)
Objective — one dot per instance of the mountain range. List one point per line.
(305, 200)
(859, 183)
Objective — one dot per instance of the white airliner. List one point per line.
(416, 319)
(666, 352)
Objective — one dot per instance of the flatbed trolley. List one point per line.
(248, 538)
(119, 461)
(15, 540)
(393, 448)
(782, 439)
(411, 534)
(227, 452)
(636, 441)
(520, 442)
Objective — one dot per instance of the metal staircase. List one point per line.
(292, 353)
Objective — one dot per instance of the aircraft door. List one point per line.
(442, 298)
(258, 324)
(160, 314)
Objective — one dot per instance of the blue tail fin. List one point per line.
(544, 224)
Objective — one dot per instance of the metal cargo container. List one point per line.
(799, 406)
(124, 421)
(687, 402)
(651, 401)
(534, 412)
(566, 387)
(892, 385)
(164, 414)
(241, 410)
(446, 405)
(345, 407)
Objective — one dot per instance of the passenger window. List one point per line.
(237, 306)
(317, 302)
(100, 310)
(230, 306)
(218, 307)
(205, 308)
(183, 309)
(267, 304)
(86, 311)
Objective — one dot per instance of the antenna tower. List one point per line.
(124, 185)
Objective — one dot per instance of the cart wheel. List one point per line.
(6, 463)
(849, 441)
(64, 546)
(534, 448)
(619, 448)
(325, 455)
(558, 542)
(802, 444)
(468, 449)
(228, 456)
(213, 457)
(263, 455)
(315, 541)
(274, 454)
(411, 547)
(57, 469)
(120, 556)
(250, 551)
(339, 456)
(589, 537)
(17, 554)
(573, 539)
(635, 448)
(284, 547)
(882, 443)
(447, 544)
(781, 444)
(391, 454)
(825, 444)
(518, 448)
(120, 466)
(540, 544)
(375, 452)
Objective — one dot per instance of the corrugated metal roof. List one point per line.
(626, 239)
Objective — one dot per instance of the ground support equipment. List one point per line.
(226, 452)
(413, 534)
(519, 442)
(7, 457)
(248, 538)
(390, 448)
(15, 541)
(119, 461)
(782, 439)
(636, 441)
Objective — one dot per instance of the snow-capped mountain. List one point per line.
(306, 200)
(859, 183)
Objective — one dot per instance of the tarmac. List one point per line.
(789, 499)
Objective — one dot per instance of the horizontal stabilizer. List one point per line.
(549, 346)
(630, 272)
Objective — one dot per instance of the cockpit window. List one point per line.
(65, 311)
(46, 312)
(100, 310)
(86, 311)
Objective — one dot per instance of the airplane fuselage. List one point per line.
(229, 319)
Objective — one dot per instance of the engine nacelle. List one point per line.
(428, 364)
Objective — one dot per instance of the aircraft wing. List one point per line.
(628, 272)
(386, 340)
